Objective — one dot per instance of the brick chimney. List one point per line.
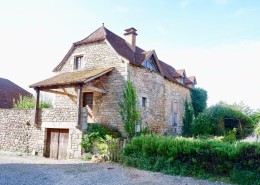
(130, 38)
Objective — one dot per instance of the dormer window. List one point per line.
(78, 62)
(148, 64)
(183, 80)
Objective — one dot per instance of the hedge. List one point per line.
(240, 162)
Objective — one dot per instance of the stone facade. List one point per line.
(160, 95)
(105, 106)
(159, 92)
(18, 132)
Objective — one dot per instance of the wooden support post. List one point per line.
(79, 104)
(36, 107)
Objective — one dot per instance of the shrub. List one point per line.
(194, 157)
(25, 102)
(96, 136)
(221, 118)
(187, 119)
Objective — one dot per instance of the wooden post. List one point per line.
(36, 107)
(79, 104)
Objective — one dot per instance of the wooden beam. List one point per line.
(92, 88)
(57, 87)
(36, 107)
(79, 104)
(59, 92)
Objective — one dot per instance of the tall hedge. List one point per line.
(212, 121)
(199, 158)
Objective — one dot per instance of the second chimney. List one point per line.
(130, 38)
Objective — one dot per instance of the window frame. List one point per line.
(144, 101)
(175, 113)
(78, 66)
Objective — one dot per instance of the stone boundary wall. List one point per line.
(18, 132)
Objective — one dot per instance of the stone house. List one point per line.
(89, 83)
(10, 92)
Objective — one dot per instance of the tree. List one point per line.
(128, 109)
(199, 98)
(187, 119)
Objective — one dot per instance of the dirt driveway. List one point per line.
(37, 170)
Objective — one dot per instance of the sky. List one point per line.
(218, 41)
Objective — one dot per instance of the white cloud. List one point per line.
(229, 72)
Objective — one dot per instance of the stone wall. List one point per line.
(18, 132)
(175, 92)
(160, 94)
(105, 106)
(150, 85)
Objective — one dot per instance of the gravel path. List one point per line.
(28, 170)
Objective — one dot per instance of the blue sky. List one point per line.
(218, 41)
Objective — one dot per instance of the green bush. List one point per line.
(96, 136)
(28, 102)
(194, 157)
(221, 118)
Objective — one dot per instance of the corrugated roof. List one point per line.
(73, 77)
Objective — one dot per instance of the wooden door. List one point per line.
(57, 142)
(63, 143)
(88, 103)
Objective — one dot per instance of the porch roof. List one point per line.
(72, 78)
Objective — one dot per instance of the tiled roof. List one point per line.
(10, 91)
(73, 77)
(122, 49)
(192, 79)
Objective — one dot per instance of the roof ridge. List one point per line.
(78, 42)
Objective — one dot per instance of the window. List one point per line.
(175, 113)
(144, 101)
(149, 65)
(78, 62)
(88, 99)
(138, 128)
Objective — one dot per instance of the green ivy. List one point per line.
(128, 109)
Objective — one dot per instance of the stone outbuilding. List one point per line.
(89, 83)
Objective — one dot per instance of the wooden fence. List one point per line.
(115, 148)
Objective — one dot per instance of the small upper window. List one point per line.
(78, 63)
(149, 65)
(144, 101)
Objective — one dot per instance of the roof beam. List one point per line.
(59, 92)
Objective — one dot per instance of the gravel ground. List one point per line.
(20, 169)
